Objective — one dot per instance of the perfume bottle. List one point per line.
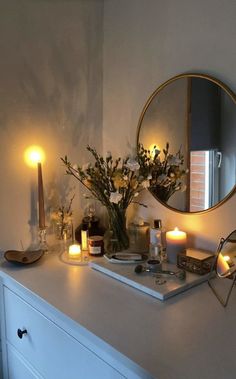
(156, 247)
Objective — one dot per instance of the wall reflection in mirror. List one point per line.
(196, 115)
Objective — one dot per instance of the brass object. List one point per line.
(23, 257)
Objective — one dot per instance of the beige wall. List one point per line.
(50, 94)
(145, 43)
(51, 90)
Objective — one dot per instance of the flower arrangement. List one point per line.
(63, 219)
(115, 183)
(166, 176)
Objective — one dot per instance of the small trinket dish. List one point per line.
(23, 257)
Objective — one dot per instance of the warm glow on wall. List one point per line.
(33, 155)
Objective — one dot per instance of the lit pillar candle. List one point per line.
(41, 198)
(175, 244)
(74, 251)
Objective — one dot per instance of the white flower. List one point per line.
(75, 166)
(86, 166)
(174, 161)
(161, 178)
(136, 194)
(132, 164)
(156, 152)
(146, 184)
(115, 197)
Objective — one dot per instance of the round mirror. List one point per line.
(188, 136)
(226, 259)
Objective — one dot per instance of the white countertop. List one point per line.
(187, 336)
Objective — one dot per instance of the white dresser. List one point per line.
(78, 323)
(37, 347)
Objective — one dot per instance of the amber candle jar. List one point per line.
(96, 246)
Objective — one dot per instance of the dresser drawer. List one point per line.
(48, 348)
(18, 368)
(1, 374)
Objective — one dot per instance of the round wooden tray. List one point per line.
(23, 257)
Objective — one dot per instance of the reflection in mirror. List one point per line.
(196, 114)
(226, 260)
(225, 266)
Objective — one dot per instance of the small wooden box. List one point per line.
(196, 261)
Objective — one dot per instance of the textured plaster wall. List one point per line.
(146, 43)
(51, 95)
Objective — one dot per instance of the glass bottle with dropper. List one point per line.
(157, 249)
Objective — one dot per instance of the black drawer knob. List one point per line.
(20, 332)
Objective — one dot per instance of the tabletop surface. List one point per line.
(187, 336)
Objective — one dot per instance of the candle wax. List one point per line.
(74, 251)
(175, 244)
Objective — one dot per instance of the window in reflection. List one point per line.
(204, 179)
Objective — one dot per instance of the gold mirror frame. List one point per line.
(224, 87)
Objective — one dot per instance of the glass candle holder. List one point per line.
(42, 239)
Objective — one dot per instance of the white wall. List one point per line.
(145, 43)
(51, 95)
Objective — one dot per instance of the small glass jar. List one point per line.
(139, 236)
(64, 231)
(96, 246)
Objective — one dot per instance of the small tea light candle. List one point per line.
(175, 244)
(74, 251)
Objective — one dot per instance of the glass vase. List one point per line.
(116, 238)
(161, 192)
(63, 231)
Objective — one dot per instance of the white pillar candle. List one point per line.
(175, 244)
(74, 251)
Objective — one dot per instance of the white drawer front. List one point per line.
(53, 352)
(17, 368)
(1, 374)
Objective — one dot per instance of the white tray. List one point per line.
(146, 282)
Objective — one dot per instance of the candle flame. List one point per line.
(226, 258)
(176, 229)
(33, 155)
